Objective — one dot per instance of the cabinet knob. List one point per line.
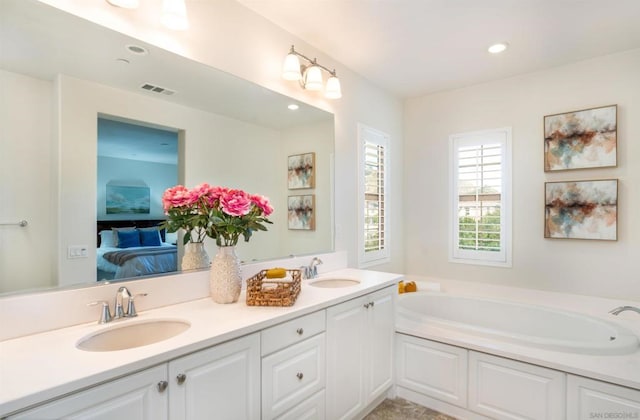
(162, 385)
(181, 378)
(371, 304)
(366, 305)
(300, 331)
(299, 375)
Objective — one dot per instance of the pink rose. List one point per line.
(235, 202)
(177, 196)
(262, 203)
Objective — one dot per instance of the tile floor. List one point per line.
(400, 409)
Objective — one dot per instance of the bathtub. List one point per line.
(524, 324)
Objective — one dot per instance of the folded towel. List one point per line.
(276, 273)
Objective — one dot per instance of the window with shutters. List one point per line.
(481, 197)
(373, 196)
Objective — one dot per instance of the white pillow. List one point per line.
(106, 239)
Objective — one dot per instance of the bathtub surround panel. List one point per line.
(501, 388)
(595, 268)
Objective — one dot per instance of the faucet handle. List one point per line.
(131, 307)
(105, 314)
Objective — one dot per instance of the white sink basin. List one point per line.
(334, 283)
(134, 334)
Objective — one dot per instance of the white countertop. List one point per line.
(43, 366)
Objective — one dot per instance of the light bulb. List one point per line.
(498, 48)
(174, 15)
(313, 78)
(291, 67)
(333, 91)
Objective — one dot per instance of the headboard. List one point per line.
(108, 224)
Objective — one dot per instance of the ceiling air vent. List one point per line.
(157, 89)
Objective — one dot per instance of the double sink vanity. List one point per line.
(329, 355)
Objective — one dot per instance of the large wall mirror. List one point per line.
(60, 74)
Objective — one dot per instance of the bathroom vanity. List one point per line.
(234, 360)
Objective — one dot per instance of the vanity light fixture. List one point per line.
(174, 15)
(125, 4)
(174, 12)
(498, 48)
(310, 74)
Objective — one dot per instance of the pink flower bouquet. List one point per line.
(220, 213)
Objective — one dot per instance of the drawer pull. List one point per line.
(181, 378)
(300, 375)
(162, 385)
(366, 305)
(371, 304)
(300, 331)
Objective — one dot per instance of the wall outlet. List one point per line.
(77, 251)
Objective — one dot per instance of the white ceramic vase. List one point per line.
(225, 280)
(195, 256)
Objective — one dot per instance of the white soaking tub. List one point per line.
(523, 324)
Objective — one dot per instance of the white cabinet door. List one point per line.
(222, 382)
(591, 399)
(506, 389)
(359, 352)
(381, 322)
(134, 397)
(346, 335)
(433, 369)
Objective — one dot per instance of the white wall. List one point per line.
(219, 37)
(596, 268)
(26, 186)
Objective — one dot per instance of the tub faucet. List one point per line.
(619, 309)
(311, 271)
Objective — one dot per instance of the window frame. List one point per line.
(373, 136)
(502, 258)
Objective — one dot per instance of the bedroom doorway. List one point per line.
(137, 162)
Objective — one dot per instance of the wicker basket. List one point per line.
(262, 291)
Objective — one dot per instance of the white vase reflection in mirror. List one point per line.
(210, 129)
(195, 256)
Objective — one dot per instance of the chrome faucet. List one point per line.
(118, 311)
(311, 271)
(619, 309)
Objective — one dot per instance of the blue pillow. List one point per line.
(128, 238)
(150, 237)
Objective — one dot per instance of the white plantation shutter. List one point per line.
(481, 202)
(373, 196)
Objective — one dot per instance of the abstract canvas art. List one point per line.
(581, 139)
(301, 212)
(301, 171)
(581, 210)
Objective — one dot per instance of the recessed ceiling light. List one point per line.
(137, 49)
(293, 107)
(498, 48)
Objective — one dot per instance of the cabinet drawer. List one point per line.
(291, 332)
(506, 389)
(310, 409)
(292, 375)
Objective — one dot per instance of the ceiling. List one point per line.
(416, 47)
